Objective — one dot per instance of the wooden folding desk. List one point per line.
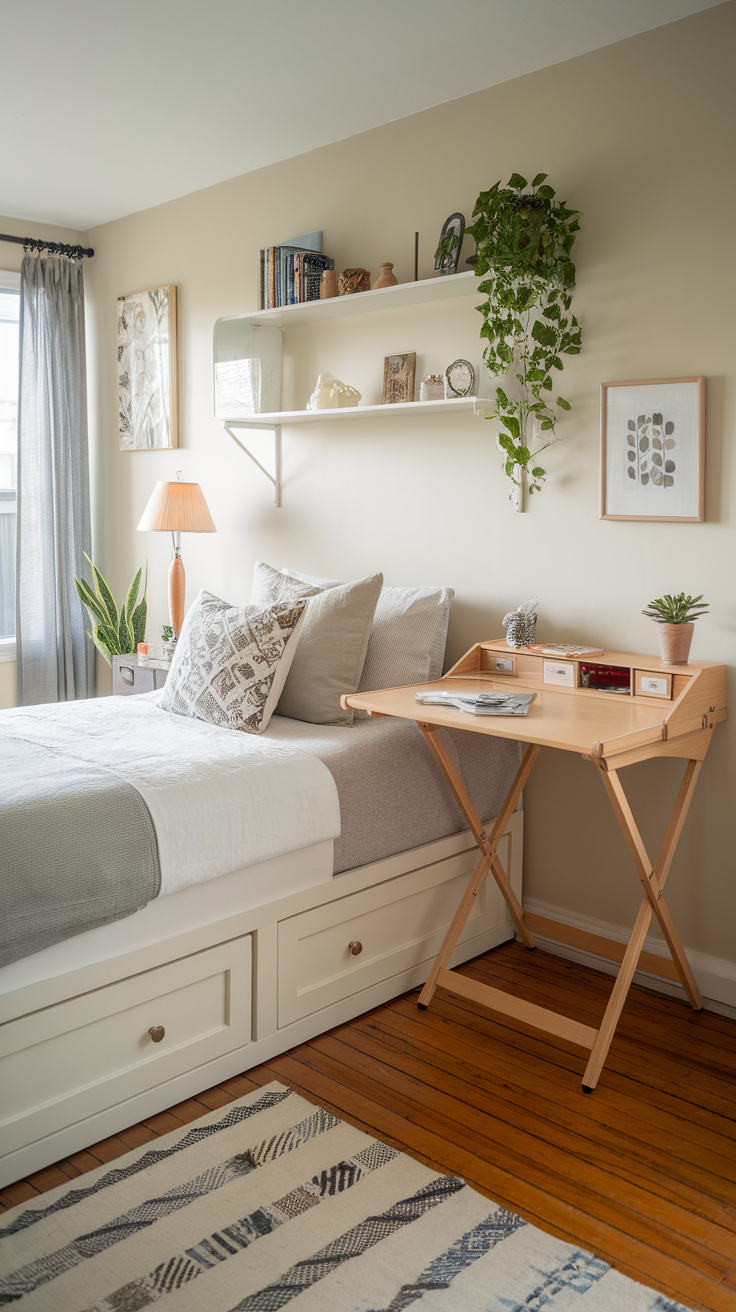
(669, 710)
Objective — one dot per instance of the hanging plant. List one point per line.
(523, 241)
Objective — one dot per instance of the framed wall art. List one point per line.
(653, 449)
(398, 378)
(147, 412)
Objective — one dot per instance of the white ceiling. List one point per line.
(116, 107)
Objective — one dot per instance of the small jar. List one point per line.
(327, 284)
(520, 630)
(432, 388)
(142, 653)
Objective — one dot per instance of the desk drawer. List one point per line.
(398, 925)
(653, 683)
(560, 672)
(67, 1062)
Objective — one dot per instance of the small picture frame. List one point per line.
(398, 378)
(447, 255)
(653, 450)
(147, 412)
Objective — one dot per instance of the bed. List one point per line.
(307, 874)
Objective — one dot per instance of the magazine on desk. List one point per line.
(480, 703)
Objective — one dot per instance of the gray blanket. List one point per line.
(77, 848)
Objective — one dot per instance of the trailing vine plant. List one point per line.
(523, 241)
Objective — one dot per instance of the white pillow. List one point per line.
(408, 637)
(231, 662)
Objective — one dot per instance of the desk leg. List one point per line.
(653, 881)
(489, 859)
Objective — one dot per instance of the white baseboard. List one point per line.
(716, 977)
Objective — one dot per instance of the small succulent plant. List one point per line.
(676, 610)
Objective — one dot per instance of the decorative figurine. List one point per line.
(352, 281)
(331, 394)
(519, 624)
(386, 278)
(327, 284)
(432, 388)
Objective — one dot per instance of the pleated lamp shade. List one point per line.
(177, 508)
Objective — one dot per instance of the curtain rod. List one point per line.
(53, 247)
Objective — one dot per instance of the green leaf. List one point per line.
(513, 425)
(130, 600)
(542, 333)
(517, 182)
(104, 593)
(88, 599)
(563, 404)
(138, 621)
(538, 472)
(539, 178)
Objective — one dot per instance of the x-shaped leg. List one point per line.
(653, 879)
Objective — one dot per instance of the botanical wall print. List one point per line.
(653, 448)
(147, 369)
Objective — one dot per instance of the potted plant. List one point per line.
(523, 242)
(114, 634)
(675, 619)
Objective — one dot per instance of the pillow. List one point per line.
(331, 653)
(408, 637)
(231, 662)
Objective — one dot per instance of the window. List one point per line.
(9, 309)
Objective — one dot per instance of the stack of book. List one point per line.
(291, 272)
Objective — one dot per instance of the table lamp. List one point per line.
(176, 508)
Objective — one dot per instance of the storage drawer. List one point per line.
(102, 1039)
(652, 683)
(560, 672)
(399, 924)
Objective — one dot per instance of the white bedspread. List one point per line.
(220, 799)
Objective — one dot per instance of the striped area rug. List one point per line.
(273, 1201)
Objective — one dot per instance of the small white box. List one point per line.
(560, 672)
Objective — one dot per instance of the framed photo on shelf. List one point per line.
(147, 411)
(653, 450)
(398, 378)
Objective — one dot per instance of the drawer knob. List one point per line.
(157, 1033)
(355, 947)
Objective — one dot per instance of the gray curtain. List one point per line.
(55, 658)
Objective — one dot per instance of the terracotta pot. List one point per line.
(674, 642)
(386, 278)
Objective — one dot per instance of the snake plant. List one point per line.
(115, 633)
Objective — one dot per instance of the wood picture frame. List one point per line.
(147, 370)
(398, 378)
(653, 450)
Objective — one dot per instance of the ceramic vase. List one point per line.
(674, 642)
(386, 278)
(327, 284)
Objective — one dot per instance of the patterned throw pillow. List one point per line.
(231, 662)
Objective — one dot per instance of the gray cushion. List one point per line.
(332, 648)
(408, 637)
(231, 662)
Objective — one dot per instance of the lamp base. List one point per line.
(177, 592)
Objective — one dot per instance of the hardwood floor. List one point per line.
(643, 1172)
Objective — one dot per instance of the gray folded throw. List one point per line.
(77, 848)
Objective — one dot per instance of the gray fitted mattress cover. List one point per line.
(392, 794)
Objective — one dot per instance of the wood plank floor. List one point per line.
(643, 1172)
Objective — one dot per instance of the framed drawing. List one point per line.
(653, 450)
(398, 378)
(147, 417)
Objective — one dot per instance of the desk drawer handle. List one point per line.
(355, 947)
(157, 1033)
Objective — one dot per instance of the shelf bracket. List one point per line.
(274, 477)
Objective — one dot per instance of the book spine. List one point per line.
(261, 285)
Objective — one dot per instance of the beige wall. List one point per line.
(639, 136)
(10, 259)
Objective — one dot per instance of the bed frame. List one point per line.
(99, 1048)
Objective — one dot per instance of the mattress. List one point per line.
(392, 794)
